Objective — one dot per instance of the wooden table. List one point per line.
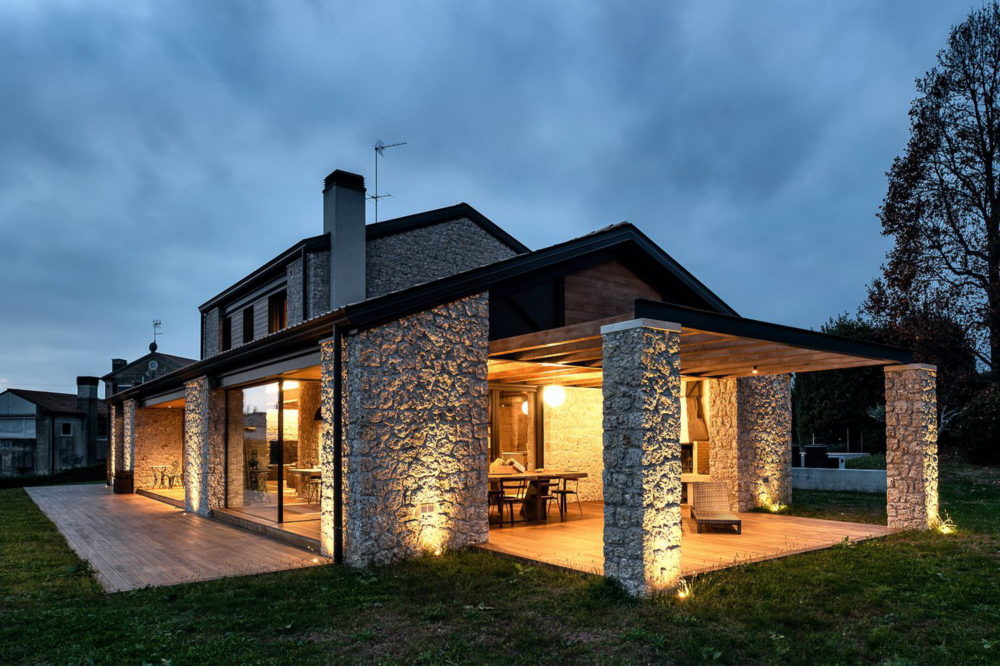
(531, 508)
(301, 473)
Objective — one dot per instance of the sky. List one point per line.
(152, 153)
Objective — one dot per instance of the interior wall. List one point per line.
(574, 439)
(159, 440)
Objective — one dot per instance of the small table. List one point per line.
(303, 473)
(532, 508)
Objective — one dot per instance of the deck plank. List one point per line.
(578, 543)
(133, 541)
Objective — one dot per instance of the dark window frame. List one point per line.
(248, 324)
(277, 311)
(227, 333)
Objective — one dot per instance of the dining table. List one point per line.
(539, 480)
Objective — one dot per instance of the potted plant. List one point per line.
(123, 481)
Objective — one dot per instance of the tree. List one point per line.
(943, 202)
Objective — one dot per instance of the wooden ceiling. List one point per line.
(571, 356)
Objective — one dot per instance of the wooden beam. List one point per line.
(552, 336)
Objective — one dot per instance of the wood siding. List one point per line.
(604, 290)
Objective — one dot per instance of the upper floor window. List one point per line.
(277, 312)
(248, 325)
(66, 429)
(227, 334)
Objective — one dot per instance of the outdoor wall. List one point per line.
(750, 427)
(309, 427)
(416, 434)
(911, 446)
(117, 439)
(642, 454)
(204, 429)
(444, 249)
(317, 283)
(159, 440)
(294, 286)
(574, 439)
(210, 333)
(847, 480)
(236, 463)
(128, 433)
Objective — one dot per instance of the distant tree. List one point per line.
(943, 203)
(833, 403)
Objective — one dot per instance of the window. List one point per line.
(227, 334)
(248, 325)
(66, 429)
(277, 312)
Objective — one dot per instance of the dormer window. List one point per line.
(277, 312)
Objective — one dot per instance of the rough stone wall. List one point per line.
(911, 446)
(236, 467)
(416, 440)
(317, 283)
(128, 434)
(326, 449)
(750, 427)
(159, 440)
(642, 460)
(309, 428)
(402, 260)
(723, 430)
(204, 447)
(766, 438)
(210, 333)
(574, 439)
(294, 286)
(117, 447)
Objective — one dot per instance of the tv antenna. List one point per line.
(380, 147)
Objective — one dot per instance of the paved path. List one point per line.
(133, 541)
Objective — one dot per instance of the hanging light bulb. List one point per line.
(756, 370)
(553, 395)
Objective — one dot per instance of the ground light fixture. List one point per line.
(553, 395)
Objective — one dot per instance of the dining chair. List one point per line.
(511, 493)
(564, 494)
(548, 489)
(175, 473)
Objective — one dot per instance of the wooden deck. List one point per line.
(578, 543)
(133, 541)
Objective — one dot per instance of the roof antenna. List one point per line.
(380, 152)
(157, 325)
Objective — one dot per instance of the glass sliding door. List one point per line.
(273, 450)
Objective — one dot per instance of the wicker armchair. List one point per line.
(710, 506)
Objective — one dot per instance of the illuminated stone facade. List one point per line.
(128, 434)
(117, 447)
(204, 447)
(642, 454)
(416, 434)
(911, 446)
(574, 437)
(750, 424)
(159, 440)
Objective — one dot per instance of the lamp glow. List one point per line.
(756, 370)
(524, 407)
(554, 395)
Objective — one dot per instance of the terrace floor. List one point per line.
(133, 541)
(578, 543)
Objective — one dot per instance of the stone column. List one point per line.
(326, 449)
(750, 423)
(642, 455)
(911, 446)
(204, 446)
(237, 467)
(416, 440)
(128, 435)
(117, 447)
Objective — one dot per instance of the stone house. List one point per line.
(42, 432)
(125, 375)
(356, 387)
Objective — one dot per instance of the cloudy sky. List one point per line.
(153, 152)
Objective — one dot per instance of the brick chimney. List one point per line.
(117, 364)
(344, 222)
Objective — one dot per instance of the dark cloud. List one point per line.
(152, 153)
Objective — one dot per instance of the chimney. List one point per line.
(117, 364)
(86, 402)
(344, 221)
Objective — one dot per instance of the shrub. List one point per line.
(975, 432)
(75, 475)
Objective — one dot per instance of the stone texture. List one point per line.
(750, 424)
(911, 446)
(402, 260)
(574, 439)
(642, 462)
(159, 440)
(416, 434)
(116, 449)
(204, 447)
(128, 434)
(236, 467)
(210, 327)
(294, 286)
(309, 427)
(317, 283)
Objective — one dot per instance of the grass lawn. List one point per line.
(908, 598)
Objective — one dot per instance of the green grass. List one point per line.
(876, 461)
(909, 598)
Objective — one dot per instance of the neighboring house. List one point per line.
(42, 432)
(125, 375)
(356, 387)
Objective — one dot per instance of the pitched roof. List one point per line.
(179, 360)
(54, 402)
